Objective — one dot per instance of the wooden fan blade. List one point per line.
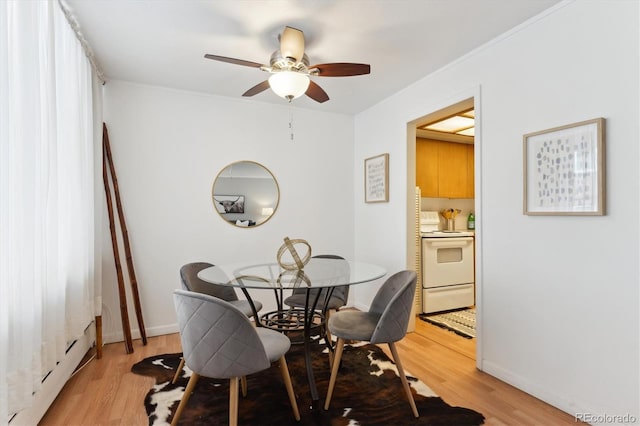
(342, 69)
(316, 93)
(258, 88)
(292, 43)
(233, 61)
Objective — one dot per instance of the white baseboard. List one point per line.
(55, 381)
(541, 392)
(118, 336)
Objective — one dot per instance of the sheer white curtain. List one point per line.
(46, 196)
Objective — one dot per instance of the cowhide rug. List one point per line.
(368, 392)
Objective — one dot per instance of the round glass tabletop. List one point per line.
(319, 272)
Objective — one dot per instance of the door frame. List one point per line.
(436, 108)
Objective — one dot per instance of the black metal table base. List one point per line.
(290, 320)
(295, 319)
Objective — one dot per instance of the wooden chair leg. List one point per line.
(243, 385)
(233, 401)
(328, 338)
(334, 371)
(187, 394)
(330, 354)
(327, 331)
(178, 371)
(284, 369)
(403, 378)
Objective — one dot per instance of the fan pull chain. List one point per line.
(291, 124)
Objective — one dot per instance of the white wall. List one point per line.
(558, 295)
(168, 147)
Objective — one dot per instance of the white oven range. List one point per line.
(447, 270)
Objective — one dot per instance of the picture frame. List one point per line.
(376, 179)
(564, 170)
(228, 203)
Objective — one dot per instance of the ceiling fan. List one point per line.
(290, 70)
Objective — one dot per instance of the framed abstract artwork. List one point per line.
(564, 170)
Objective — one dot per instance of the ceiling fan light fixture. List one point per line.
(289, 84)
(290, 70)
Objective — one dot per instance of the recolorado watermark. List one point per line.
(606, 418)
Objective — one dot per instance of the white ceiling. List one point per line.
(163, 42)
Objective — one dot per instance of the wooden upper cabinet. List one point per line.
(452, 168)
(427, 167)
(444, 169)
(471, 191)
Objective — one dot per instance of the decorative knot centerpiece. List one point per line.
(289, 247)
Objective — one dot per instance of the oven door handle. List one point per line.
(449, 242)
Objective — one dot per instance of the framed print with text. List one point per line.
(376, 179)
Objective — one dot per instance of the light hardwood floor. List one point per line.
(105, 392)
(466, 347)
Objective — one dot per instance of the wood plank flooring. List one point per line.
(446, 363)
(105, 392)
(448, 339)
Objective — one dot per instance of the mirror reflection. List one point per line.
(245, 194)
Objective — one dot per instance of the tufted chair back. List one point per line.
(394, 301)
(191, 282)
(217, 339)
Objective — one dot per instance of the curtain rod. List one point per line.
(75, 26)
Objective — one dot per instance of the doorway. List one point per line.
(467, 202)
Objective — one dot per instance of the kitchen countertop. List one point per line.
(449, 234)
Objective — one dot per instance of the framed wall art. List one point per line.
(376, 179)
(564, 170)
(229, 203)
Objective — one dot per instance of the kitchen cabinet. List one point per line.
(427, 167)
(444, 169)
(470, 172)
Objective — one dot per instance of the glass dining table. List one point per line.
(323, 274)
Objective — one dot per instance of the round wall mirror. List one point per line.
(245, 194)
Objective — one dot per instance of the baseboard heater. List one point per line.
(54, 381)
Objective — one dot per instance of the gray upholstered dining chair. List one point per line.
(385, 322)
(190, 281)
(219, 341)
(338, 298)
